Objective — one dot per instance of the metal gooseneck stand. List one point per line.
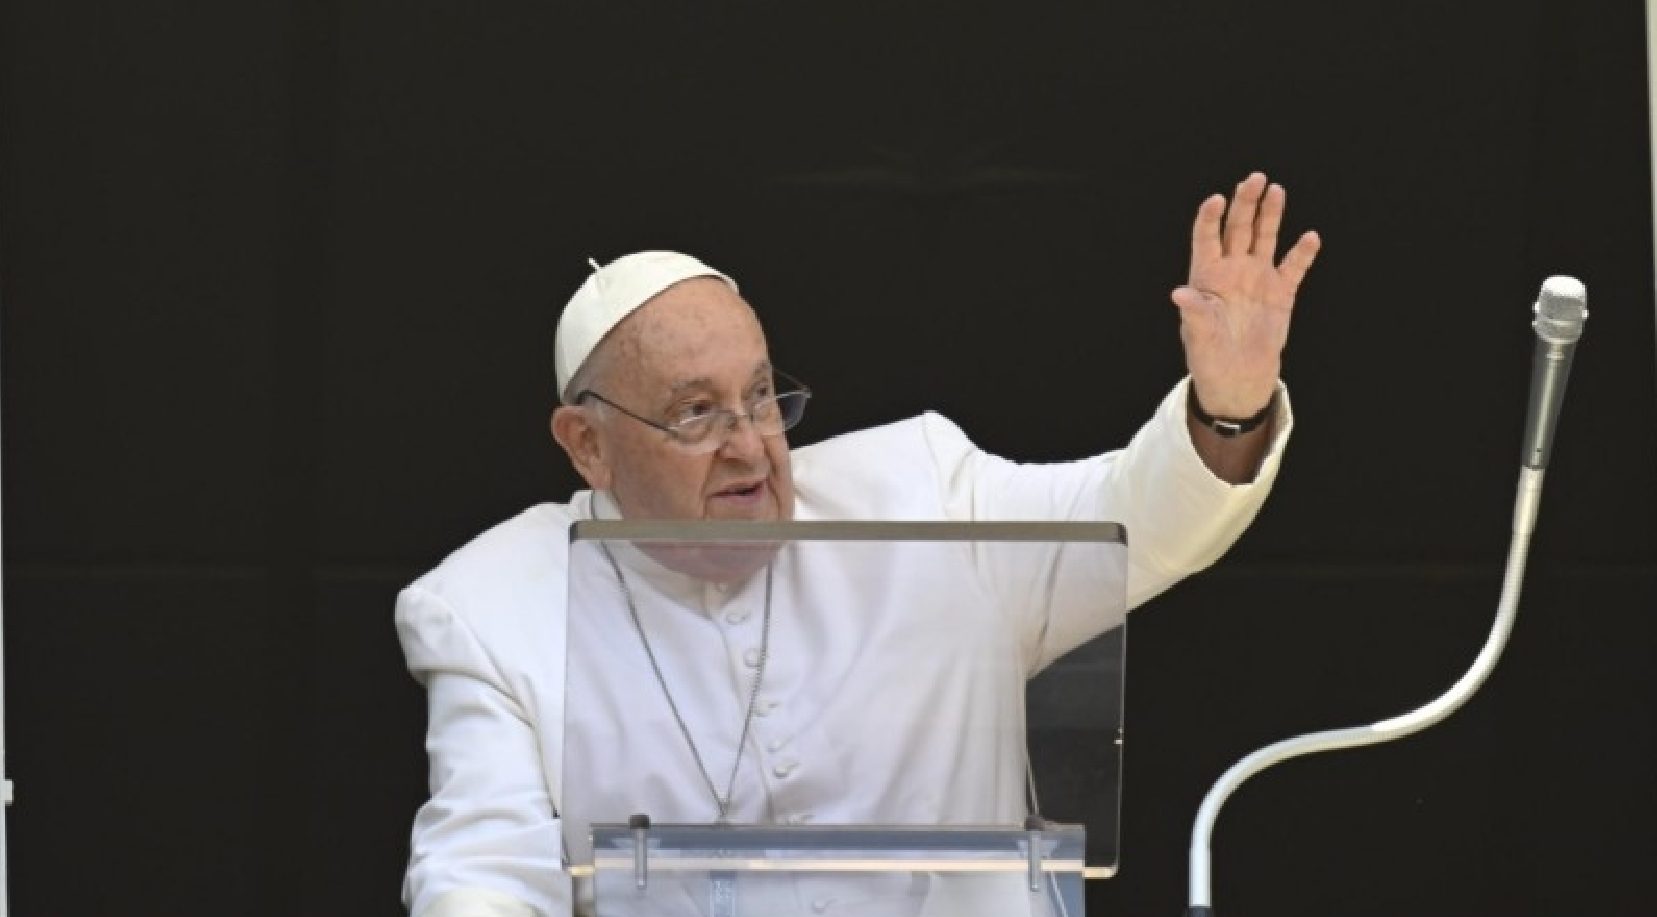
(1560, 312)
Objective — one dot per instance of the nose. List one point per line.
(742, 440)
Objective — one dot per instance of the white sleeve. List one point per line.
(1180, 518)
(488, 842)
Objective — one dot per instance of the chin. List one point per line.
(745, 514)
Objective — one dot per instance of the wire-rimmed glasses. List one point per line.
(704, 426)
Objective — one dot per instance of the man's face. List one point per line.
(695, 346)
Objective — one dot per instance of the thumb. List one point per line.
(1189, 297)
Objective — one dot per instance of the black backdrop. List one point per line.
(280, 281)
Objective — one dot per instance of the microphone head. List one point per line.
(1560, 310)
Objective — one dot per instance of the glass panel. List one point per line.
(1075, 739)
(844, 674)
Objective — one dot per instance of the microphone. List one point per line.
(1560, 310)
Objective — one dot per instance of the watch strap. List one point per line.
(1228, 427)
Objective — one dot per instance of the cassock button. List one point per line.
(784, 769)
(735, 617)
(750, 657)
(821, 905)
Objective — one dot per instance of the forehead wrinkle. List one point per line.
(762, 368)
(670, 332)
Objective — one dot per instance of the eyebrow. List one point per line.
(703, 382)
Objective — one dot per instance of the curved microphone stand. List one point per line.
(1561, 310)
(1524, 519)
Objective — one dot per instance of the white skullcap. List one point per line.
(610, 294)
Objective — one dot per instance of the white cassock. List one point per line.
(891, 694)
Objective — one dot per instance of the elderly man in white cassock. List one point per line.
(672, 410)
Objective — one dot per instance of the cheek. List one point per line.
(661, 484)
(782, 473)
(683, 482)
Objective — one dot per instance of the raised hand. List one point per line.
(1236, 304)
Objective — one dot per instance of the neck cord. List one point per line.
(722, 803)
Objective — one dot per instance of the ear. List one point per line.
(574, 429)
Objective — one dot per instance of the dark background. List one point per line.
(279, 288)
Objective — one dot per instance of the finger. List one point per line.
(1267, 224)
(1205, 231)
(1239, 223)
(1299, 259)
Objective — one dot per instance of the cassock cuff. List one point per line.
(477, 902)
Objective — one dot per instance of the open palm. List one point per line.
(1237, 302)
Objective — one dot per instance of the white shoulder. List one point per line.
(496, 605)
(899, 470)
(531, 548)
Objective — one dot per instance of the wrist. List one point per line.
(1228, 425)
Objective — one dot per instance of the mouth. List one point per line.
(742, 493)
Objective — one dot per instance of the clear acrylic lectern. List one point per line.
(771, 719)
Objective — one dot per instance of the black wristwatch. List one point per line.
(1227, 427)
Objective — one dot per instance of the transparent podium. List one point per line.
(802, 718)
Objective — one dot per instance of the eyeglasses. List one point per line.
(703, 426)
